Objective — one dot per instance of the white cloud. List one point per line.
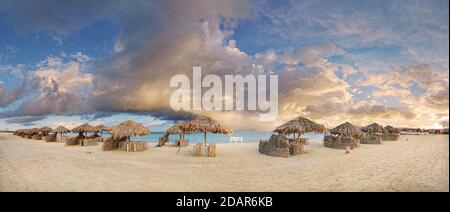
(119, 46)
(80, 57)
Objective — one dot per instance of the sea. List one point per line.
(247, 136)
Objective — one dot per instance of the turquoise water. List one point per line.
(248, 136)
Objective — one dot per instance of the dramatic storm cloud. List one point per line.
(361, 61)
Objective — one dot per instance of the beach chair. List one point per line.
(236, 139)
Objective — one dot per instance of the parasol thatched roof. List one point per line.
(179, 128)
(129, 129)
(45, 129)
(20, 130)
(102, 127)
(299, 125)
(391, 130)
(84, 128)
(373, 128)
(347, 129)
(205, 124)
(61, 129)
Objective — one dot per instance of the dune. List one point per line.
(420, 163)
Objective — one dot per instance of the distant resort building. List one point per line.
(438, 131)
(418, 131)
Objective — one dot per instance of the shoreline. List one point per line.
(413, 165)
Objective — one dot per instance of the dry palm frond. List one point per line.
(129, 129)
(101, 128)
(45, 129)
(205, 124)
(347, 129)
(373, 129)
(84, 128)
(391, 130)
(61, 129)
(299, 126)
(33, 131)
(179, 128)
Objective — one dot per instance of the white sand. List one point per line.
(419, 164)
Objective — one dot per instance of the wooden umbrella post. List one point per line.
(205, 137)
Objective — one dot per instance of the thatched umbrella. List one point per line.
(61, 130)
(84, 128)
(101, 128)
(391, 130)
(205, 124)
(29, 131)
(180, 128)
(347, 129)
(373, 129)
(128, 129)
(32, 131)
(299, 126)
(44, 130)
(20, 132)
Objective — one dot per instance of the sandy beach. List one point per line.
(420, 163)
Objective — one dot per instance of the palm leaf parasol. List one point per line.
(128, 129)
(347, 129)
(205, 124)
(299, 126)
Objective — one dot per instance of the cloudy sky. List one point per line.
(105, 61)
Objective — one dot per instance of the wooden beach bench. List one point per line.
(207, 151)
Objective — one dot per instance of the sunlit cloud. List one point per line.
(359, 61)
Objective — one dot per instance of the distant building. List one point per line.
(437, 131)
(423, 131)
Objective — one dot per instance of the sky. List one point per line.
(106, 61)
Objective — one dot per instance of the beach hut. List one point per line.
(61, 130)
(28, 133)
(102, 128)
(44, 131)
(25, 133)
(297, 126)
(45, 134)
(373, 135)
(128, 129)
(181, 128)
(373, 129)
(20, 132)
(391, 130)
(390, 133)
(278, 145)
(205, 125)
(121, 135)
(82, 131)
(35, 134)
(343, 136)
